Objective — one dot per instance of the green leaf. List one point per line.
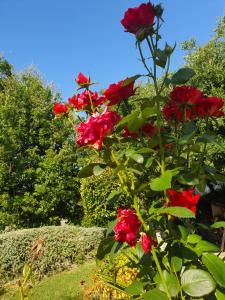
(127, 119)
(136, 123)
(197, 283)
(216, 267)
(183, 232)
(26, 270)
(130, 80)
(171, 282)
(188, 179)
(149, 162)
(178, 211)
(163, 182)
(97, 170)
(148, 112)
(193, 238)
(182, 76)
(113, 196)
(154, 294)
(217, 225)
(105, 247)
(88, 170)
(220, 295)
(176, 263)
(136, 288)
(204, 246)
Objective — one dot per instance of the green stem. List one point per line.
(90, 98)
(143, 59)
(154, 255)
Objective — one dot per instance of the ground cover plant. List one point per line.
(160, 237)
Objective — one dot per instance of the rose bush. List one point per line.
(160, 238)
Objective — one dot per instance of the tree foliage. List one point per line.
(38, 169)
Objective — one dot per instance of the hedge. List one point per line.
(94, 190)
(63, 247)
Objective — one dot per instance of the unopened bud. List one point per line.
(143, 33)
(158, 10)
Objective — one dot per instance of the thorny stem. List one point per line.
(90, 98)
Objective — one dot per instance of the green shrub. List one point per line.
(94, 193)
(62, 248)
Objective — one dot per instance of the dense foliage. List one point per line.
(38, 168)
(63, 247)
(172, 133)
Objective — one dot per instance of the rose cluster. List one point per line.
(99, 124)
(189, 103)
(127, 228)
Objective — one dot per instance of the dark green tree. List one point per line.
(38, 183)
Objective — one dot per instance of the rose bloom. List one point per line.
(210, 107)
(184, 199)
(60, 108)
(127, 227)
(146, 242)
(172, 111)
(82, 79)
(185, 95)
(138, 18)
(116, 92)
(149, 130)
(93, 131)
(80, 101)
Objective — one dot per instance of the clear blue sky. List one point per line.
(64, 37)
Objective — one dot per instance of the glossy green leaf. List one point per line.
(130, 80)
(128, 118)
(197, 283)
(171, 282)
(193, 238)
(136, 123)
(180, 212)
(88, 170)
(220, 224)
(216, 267)
(154, 294)
(148, 112)
(105, 247)
(98, 170)
(163, 182)
(182, 76)
(176, 263)
(220, 295)
(136, 288)
(204, 246)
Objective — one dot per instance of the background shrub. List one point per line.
(63, 247)
(94, 191)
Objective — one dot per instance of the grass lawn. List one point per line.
(62, 286)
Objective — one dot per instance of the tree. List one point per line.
(38, 170)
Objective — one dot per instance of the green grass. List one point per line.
(62, 286)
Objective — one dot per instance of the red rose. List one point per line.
(138, 18)
(184, 199)
(185, 95)
(146, 242)
(210, 107)
(60, 108)
(116, 92)
(82, 80)
(93, 131)
(80, 101)
(127, 227)
(172, 111)
(149, 130)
